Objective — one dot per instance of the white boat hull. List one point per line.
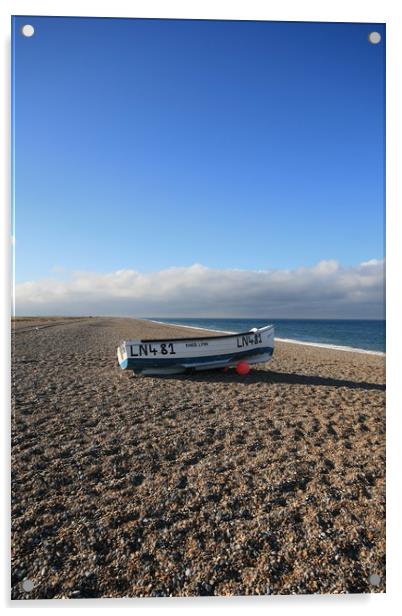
(173, 356)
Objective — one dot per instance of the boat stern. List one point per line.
(122, 356)
(271, 337)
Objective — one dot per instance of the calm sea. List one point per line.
(358, 334)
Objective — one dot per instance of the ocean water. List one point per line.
(367, 335)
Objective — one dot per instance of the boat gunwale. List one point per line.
(154, 340)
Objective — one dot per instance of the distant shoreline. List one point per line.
(319, 345)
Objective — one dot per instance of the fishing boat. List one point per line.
(176, 355)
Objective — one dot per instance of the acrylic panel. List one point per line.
(198, 339)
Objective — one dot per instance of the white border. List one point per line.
(291, 10)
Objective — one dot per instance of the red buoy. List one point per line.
(242, 368)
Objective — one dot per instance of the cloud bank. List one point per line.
(326, 290)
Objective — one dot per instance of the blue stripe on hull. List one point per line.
(185, 362)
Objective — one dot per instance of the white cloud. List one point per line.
(370, 262)
(326, 290)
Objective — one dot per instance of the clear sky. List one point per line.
(150, 144)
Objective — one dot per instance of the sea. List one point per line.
(363, 335)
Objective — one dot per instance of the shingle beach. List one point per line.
(188, 485)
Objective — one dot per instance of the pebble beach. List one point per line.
(191, 485)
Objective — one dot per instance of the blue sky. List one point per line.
(150, 144)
